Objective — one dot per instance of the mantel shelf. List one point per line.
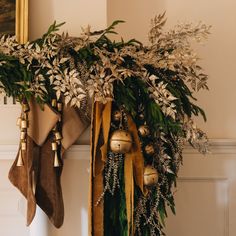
(81, 152)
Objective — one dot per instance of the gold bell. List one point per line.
(56, 160)
(120, 141)
(25, 107)
(18, 121)
(20, 160)
(54, 146)
(149, 149)
(54, 102)
(150, 176)
(24, 124)
(116, 115)
(22, 135)
(144, 130)
(58, 136)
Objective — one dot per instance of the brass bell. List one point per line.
(149, 149)
(25, 107)
(58, 136)
(143, 131)
(20, 160)
(24, 124)
(54, 102)
(150, 176)
(54, 146)
(120, 141)
(22, 135)
(116, 115)
(56, 160)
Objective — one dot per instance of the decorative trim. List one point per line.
(217, 146)
(214, 179)
(82, 152)
(78, 152)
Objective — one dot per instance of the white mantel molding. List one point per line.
(79, 152)
(216, 146)
(82, 152)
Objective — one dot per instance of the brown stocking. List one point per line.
(22, 177)
(48, 191)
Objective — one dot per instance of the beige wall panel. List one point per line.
(218, 55)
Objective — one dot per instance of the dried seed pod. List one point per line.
(149, 149)
(143, 131)
(116, 115)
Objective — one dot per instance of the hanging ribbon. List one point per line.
(134, 168)
(129, 192)
(99, 143)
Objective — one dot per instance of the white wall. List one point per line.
(218, 55)
(76, 14)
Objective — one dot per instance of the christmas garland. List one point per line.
(143, 97)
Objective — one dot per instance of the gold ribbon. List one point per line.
(101, 120)
(129, 191)
(134, 168)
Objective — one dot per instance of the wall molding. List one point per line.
(82, 152)
(226, 205)
(217, 146)
(78, 152)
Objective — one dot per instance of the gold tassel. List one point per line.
(20, 159)
(56, 160)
